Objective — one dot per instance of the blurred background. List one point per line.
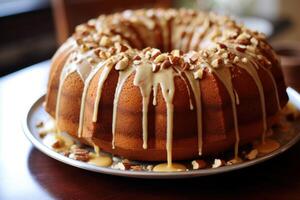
(31, 30)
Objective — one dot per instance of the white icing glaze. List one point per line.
(188, 90)
(102, 78)
(275, 87)
(146, 79)
(66, 71)
(224, 75)
(123, 75)
(195, 85)
(81, 66)
(271, 77)
(83, 98)
(252, 71)
(237, 99)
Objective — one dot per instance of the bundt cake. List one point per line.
(165, 84)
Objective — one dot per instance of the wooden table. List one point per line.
(26, 173)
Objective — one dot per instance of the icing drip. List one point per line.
(251, 70)
(188, 90)
(96, 149)
(143, 79)
(101, 81)
(62, 80)
(146, 79)
(166, 80)
(275, 87)
(154, 94)
(197, 95)
(237, 99)
(123, 75)
(224, 76)
(76, 63)
(66, 71)
(83, 98)
(170, 112)
(270, 75)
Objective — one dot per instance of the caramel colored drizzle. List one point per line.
(251, 70)
(101, 81)
(195, 84)
(123, 75)
(145, 79)
(224, 75)
(83, 99)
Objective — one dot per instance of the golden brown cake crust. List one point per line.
(225, 69)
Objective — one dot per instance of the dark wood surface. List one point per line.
(26, 173)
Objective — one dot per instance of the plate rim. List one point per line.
(141, 174)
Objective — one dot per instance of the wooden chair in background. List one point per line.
(69, 13)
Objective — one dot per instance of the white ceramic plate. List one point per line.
(37, 113)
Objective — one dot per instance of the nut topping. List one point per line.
(57, 144)
(222, 46)
(193, 57)
(224, 55)
(104, 41)
(198, 74)
(244, 60)
(241, 48)
(166, 64)
(137, 62)
(155, 67)
(148, 55)
(80, 154)
(122, 64)
(174, 60)
(199, 164)
(252, 154)
(136, 168)
(205, 54)
(216, 62)
(218, 163)
(160, 58)
(103, 55)
(136, 57)
(127, 164)
(260, 57)
(236, 59)
(119, 166)
(176, 53)
(155, 53)
(243, 39)
(251, 49)
(234, 161)
(146, 49)
(254, 41)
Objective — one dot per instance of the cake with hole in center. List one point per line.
(165, 84)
